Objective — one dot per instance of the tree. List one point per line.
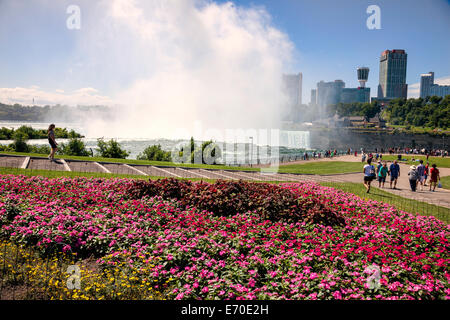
(111, 149)
(75, 147)
(154, 153)
(20, 142)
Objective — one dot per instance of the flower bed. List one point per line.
(246, 255)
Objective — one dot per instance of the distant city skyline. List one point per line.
(46, 61)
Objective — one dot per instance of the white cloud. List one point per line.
(414, 89)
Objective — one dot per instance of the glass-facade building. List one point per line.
(440, 91)
(313, 97)
(392, 81)
(426, 81)
(428, 88)
(329, 92)
(349, 95)
(293, 88)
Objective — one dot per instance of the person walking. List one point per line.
(427, 172)
(369, 174)
(421, 174)
(379, 165)
(382, 174)
(413, 176)
(434, 176)
(52, 141)
(394, 171)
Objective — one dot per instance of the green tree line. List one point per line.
(365, 109)
(431, 112)
(56, 113)
(30, 133)
(112, 149)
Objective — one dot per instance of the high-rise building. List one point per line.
(329, 92)
(313, 97)
(293, 88)
(392, 82)
(360, 94)
(426, 81)
(438, 90)
(428, 88)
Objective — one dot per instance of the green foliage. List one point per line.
(20, 142)
(207, 153)
(210, 152)
(57, 113)
(111, 149)
(154, 153)
(30, 133)
(367, 110)
(75, 147)
(39, 149)
(432, 112)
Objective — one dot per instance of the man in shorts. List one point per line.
(394, 171)
(369, 174)
(421, 173)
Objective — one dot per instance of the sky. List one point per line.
(41, 58)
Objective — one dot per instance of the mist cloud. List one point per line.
(177, 62)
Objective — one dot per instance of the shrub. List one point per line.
(111, 149)
(226, 198)
(154, 153)
(40, 149)
(75, 147)
(20, 142)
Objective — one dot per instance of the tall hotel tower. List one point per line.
(392, 82)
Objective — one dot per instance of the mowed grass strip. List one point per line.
(401, 203)
(445, 182)
(441, 162)
(73, 174)
(133, 161)
(323, 167)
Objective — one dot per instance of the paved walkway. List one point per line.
(440, 197)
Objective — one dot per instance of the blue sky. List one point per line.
(330, 37)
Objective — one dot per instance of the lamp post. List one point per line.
(251, 152)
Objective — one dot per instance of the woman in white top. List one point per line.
(369, 174)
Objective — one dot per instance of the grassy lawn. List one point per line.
(72, 174)
(405, 204)
(445, 182)
(323, 167)
(439, 161)
(132, 161)
(419, 130)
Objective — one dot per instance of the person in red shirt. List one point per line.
(427, 173)
(434, 176)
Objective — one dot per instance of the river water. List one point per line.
(291, 144)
